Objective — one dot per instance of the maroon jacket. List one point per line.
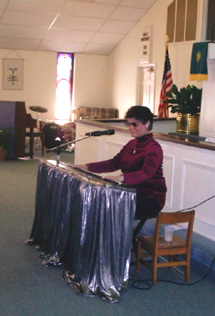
(140, 160)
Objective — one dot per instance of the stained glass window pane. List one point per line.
(63, 87)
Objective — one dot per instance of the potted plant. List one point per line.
(186, 102)
(4, 142)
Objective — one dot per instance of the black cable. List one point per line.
(190, 208)
(148, 285)
(135, 281)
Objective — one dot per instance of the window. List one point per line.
(65, 62)
(182, 20)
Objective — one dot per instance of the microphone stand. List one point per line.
(59, 148)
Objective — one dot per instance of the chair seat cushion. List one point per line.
(148, 242)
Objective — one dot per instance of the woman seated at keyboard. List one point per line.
(140, 162)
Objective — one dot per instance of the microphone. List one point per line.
(99, 133)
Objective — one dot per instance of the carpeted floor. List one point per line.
(30, 289)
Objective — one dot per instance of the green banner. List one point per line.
(198, 68)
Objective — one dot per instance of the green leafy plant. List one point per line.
(185, 100)
(5, 135)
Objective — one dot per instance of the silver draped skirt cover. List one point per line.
(84, 223)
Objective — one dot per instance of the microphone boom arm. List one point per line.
(62, 146)
(59, 148)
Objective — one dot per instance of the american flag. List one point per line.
(166, 87)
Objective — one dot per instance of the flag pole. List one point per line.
(167, 41)
(166, 86)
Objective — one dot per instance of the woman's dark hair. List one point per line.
(141, 114)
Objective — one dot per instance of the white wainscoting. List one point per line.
(169, 170)
(189, 173)
(190, 177)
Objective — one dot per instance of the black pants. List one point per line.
(145, 208)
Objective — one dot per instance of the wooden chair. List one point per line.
(155, 246)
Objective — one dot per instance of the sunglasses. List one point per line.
(133, 124)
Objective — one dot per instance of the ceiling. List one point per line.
(80, 26)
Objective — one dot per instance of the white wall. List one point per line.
(40, 81)
(207, 122)
(125, 58)
(91, 81)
